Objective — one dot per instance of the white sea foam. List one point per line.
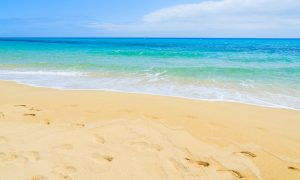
(158, 84)
(55, 73)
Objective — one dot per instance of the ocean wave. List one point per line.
(160, 84)
(51, 73)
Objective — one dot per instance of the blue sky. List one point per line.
(155, 18)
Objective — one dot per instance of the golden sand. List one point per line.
(64, 134)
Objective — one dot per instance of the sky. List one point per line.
(150, 18)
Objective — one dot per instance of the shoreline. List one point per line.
(79, 134)
(153, 94)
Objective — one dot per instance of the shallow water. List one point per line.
(256, 71)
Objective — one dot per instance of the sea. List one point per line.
(264, 72)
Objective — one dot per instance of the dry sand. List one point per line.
(60, 134)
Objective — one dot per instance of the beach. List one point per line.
(150, 90)
(88, 134)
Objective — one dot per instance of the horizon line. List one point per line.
(141, 37)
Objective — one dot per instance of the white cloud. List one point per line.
(234, 18)
(225, 9)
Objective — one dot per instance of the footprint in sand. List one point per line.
(62, 176)
(151, 116)
(34, 109)
(11, 156)
(21, 105)
(79, 125)
(99, 139)
(190, 117)
(64, 172)
(31, 108)
(108, 158)
(2, 114)
(293, 168)
(234, 172)
(38, 178)
(2, 156)
(3, 139)
(30, 114)
(149, 146)
(32, 155)
(102, 158)
(65, 147)
(67, 169)
(247, 153)
(179, 165)
(197, 162)
(70, 169)
(8, 156)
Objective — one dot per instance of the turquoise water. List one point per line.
(256, 71)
